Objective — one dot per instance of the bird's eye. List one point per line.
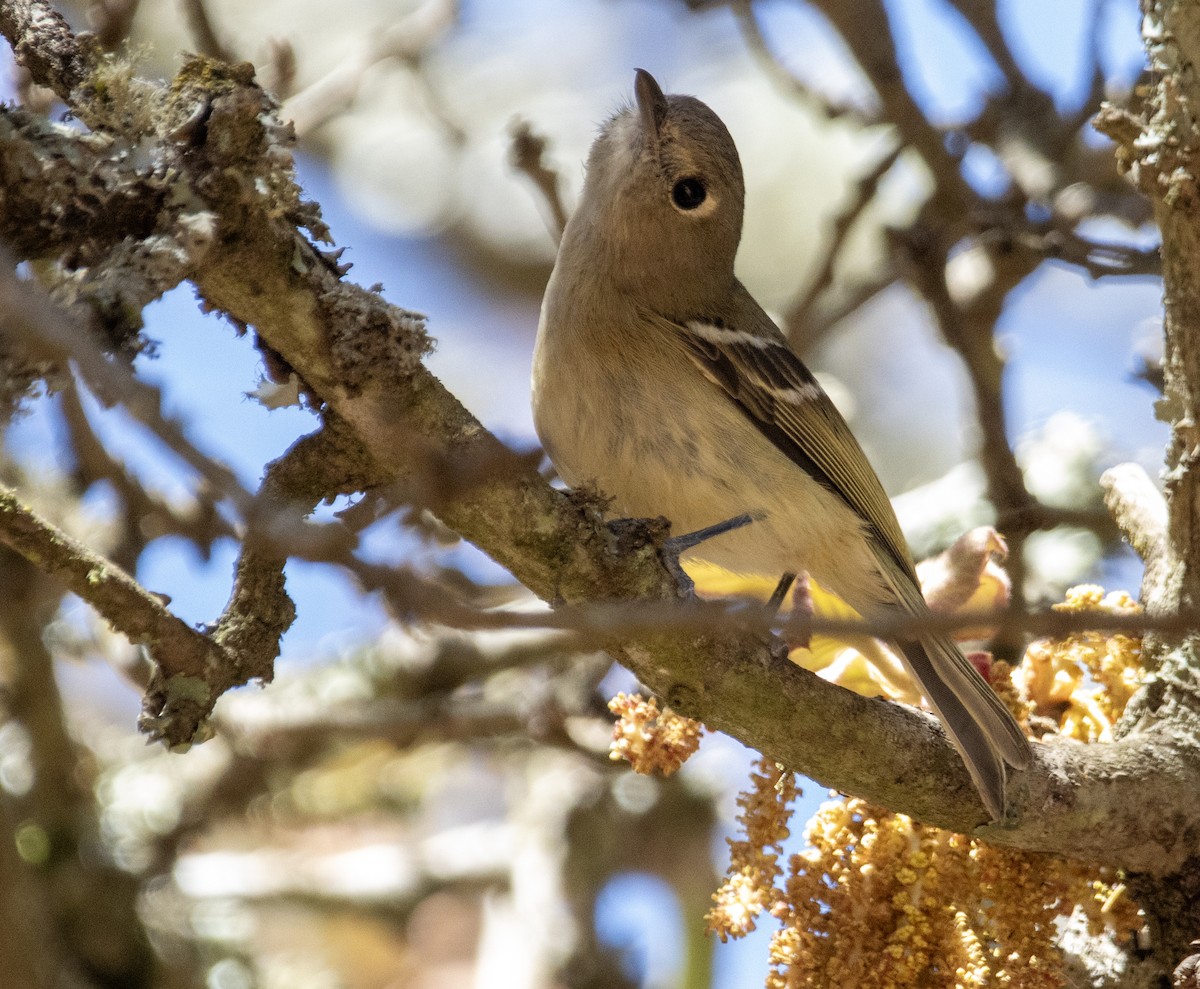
(688, 193)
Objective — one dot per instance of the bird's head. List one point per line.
(664, 196)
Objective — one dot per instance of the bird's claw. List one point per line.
(674, 547)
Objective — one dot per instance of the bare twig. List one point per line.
(1101, 260)
(112, 20)
(35, 322)
(527, 154)
(1139, 508)
(875, 51)
(1096, 80)
(145, 516)
(1057, 240)
(280, 70)
(981, 16)
(822, 318)
(403, 41)
(752, 34)
(799, 318)
(203, 32)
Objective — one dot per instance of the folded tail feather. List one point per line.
(981, 728)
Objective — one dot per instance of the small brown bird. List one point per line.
(658, 378)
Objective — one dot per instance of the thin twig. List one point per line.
(403, 41)
(527, 154)
(875, 50)
(203, 33)
(112, 19)
(1140, 511)
(981, 16)
(752, 34)
(36, 323)
(1096, 79)
(799, 316)
(144, 515)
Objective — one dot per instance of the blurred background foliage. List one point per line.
(409, 806)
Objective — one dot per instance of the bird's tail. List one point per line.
(981, 727)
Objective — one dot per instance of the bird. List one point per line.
(659, 380)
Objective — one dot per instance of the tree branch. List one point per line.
(44, 44)
(196, 670)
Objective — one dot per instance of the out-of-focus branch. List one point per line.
(981, 16)
(33, 322)
(527, 154)
(145, 515)
(111, 20)
(798, 320)
(203, 32)
(752, 33)
(1141, 513)
(1101, 260)
(30, 951)
(404, 41)
(967, 326)
(875, 51)
(92, 904)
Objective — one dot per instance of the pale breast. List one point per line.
(649, 430)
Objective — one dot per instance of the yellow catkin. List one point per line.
(750, 885)
(653, 742)
(877, 899)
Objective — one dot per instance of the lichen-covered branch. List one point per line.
(1158, 145)
(43, 42)
(259, 611)
(194, 670)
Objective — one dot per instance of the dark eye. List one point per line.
(688, 193)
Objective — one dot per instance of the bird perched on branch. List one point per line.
(658, 378)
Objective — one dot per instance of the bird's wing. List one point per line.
(780, 396)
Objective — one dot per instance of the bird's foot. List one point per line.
(775, 601)
(797, 634)
(676, 546)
